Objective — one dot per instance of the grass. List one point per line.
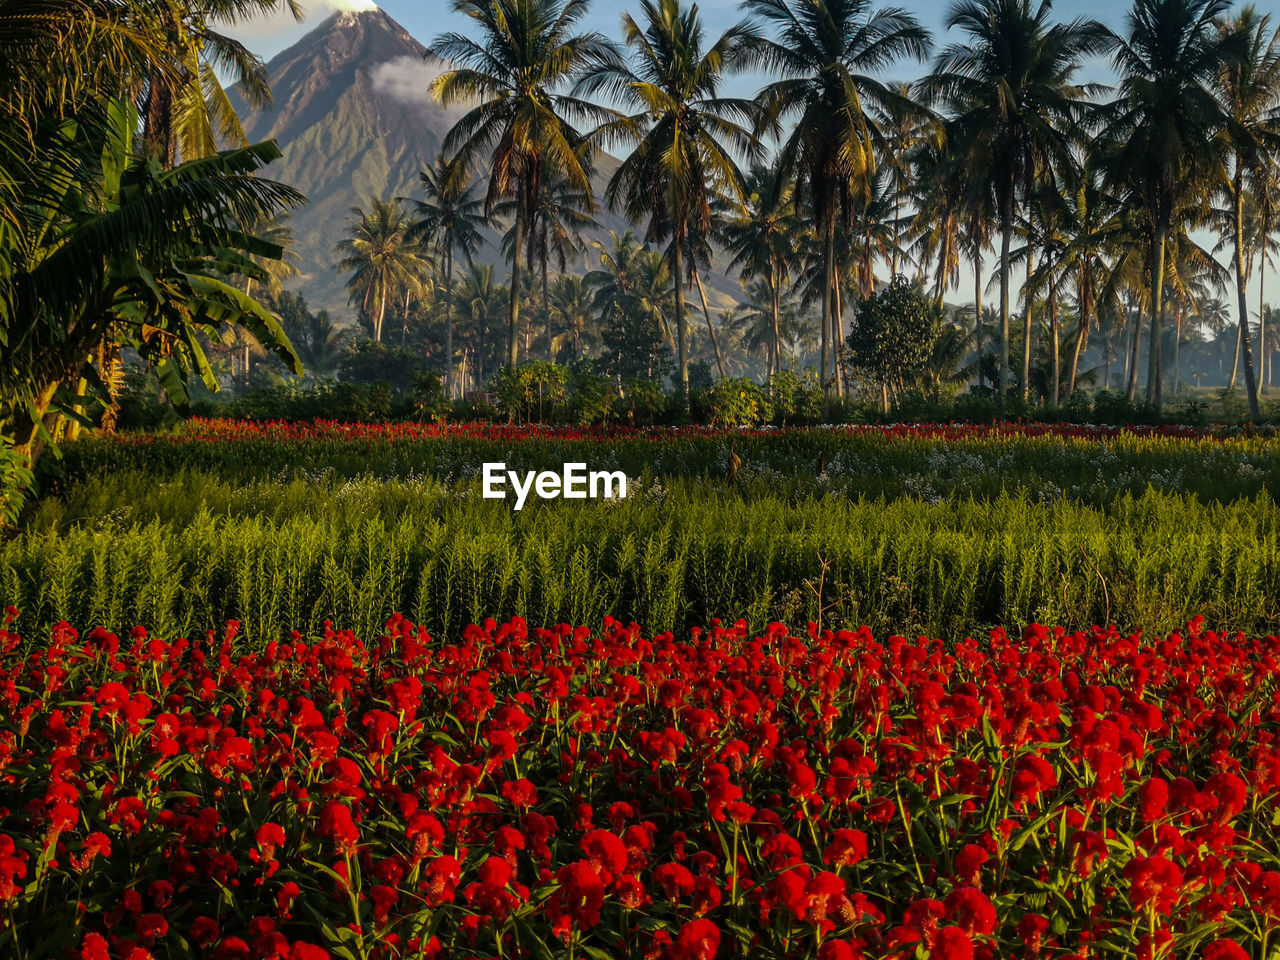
(188, 552)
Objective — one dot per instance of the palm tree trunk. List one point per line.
(828, 282)
(1135, 350)
(677, 252)
(1246, 348)
(404, 320)
(513, 319)
(977, 309)
(1265, 358)
(1054, 375)
(1235, 361)
(1177, 349)
(448, 317)
(377, 327)
(706, 312)
(1006, 231)
(837, 334)
(1026, 329)
(775, 296)
(1154, 358)
(546, 308)
(1106, 362)
(1082, 336)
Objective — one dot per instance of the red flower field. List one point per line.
(538, 793)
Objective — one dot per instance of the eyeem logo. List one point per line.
(572, 483)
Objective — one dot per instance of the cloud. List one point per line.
(406, 78)
(280, 25)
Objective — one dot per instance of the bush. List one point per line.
(532, 392)
(795, 400)
(591, 399)
(738, 402)
(643, 402)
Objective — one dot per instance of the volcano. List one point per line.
(353, 121)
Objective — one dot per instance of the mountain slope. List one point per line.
(353, 121)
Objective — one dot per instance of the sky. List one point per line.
(426, 19)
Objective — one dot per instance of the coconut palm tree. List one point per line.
(561, 214)
(1247, 84)
(1162, 125)
(760, 237)
(1091, 224)
(383, 260)
(186, 111)
(829, 53)
(1010, 86)
(527, 54)
(276, 270)
(684, 135)
(450, 218)
(572, 311)
(481, 302)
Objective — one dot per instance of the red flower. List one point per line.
(1154, 881)
(675, 880)
(578, 900)
(847, 848)
(970, 909)
(606, 851)
(337, 825)
(270, 836)
(1031, 930)
(11, 868)
(441, 881)
(969, 863)
(952, 943)
(1231, 793)
(1033, 777)
(94, 947)
(1153, 796)
(697, 940)
(111, 698)
(1225, 950)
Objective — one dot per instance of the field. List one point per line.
(318, 698)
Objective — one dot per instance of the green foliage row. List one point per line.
(284, 556)
(792, 464)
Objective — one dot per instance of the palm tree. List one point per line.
(527, 52)
(572, 309)
(382, 259)
(319, 342)
(1090, 223)
(1162, 126)
(186, 112)
(828, 52)
(761, 236)
(1247, 84)
(449, 218)
(481, 302)
(561, 214)
(276, 270)
(683, 133)
(632, 285)
(1016, 106)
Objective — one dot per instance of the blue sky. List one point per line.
(427, 18)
